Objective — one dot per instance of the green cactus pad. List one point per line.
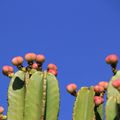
(111, 91)
(33, 98)
(16, 95)
(111, 108)
(84, 104)
(53, 98)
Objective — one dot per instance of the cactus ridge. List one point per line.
(44, 96)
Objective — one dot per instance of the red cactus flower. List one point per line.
(103, 84)
(40, 58)
(30, 57)
(98, 89)
(111, 59)
(52, 66)
(35, 66)
(1, 117)
(54, 72)
(17, 60)
(98, 100)
(1, 109)
(116, 83)
(7, 70)
(71, 88)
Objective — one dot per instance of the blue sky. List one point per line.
(75, 35)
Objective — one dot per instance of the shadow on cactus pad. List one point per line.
(18, 84)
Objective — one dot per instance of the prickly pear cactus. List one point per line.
(33, 94)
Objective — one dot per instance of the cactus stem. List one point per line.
(11, 75)
(114, 70)
(29, 67)
(74, 94)
(20, 67)
(39, 66)
(102, 94)
(30, 63)
(44, 96)
(3, 117)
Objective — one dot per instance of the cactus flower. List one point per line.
(98, 89)
(52, 66)
(98, 100)
(116, 84)
(54, 72)
(40, 58)
(30, 57)
(1, 109)
(17, 60)
(103, 84)
(6, 70)
(111, 59)
(35, 66)
(71, 88)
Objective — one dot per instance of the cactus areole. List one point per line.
(33, 93)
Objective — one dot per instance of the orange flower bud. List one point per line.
(17, 60)
(40, 58)
(30, 57)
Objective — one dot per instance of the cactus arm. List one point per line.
(84, 104)
(111, 91)
(16, 97)
(52, 103)
(111, 108)
(44, 96)
(34, 96)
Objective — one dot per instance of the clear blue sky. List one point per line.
(74, 34)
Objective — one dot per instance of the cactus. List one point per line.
(33, 94)
(89, 102)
